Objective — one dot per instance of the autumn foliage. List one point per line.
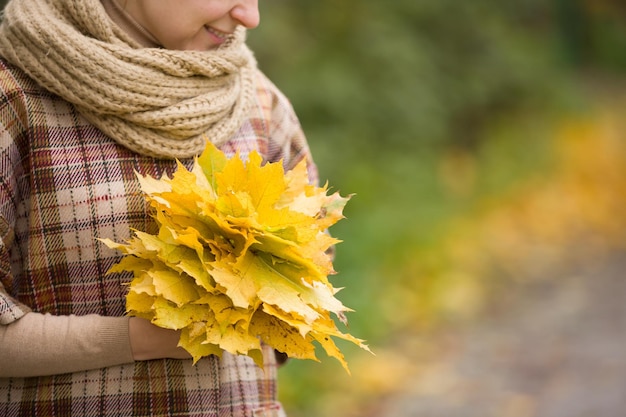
(240, 258)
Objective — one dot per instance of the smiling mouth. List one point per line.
(219, 34)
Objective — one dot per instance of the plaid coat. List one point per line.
(63, 185)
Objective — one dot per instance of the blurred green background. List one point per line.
(483, 143)
(453, 123)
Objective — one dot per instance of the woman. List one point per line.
(90, 92)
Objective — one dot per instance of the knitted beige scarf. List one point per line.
(157, 102)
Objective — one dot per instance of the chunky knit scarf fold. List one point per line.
(157, 102)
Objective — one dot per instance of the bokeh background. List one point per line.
(483, 250)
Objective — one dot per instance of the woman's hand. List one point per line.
(148, 341)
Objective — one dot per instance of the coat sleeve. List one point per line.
(34, 344)
(42, 344)
(12, 117)
(10, 308)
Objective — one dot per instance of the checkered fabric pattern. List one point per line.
(63, 185)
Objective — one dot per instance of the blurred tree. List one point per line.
(607, 33)
(576, 31)
(404, 74)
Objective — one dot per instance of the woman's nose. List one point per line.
(246, 12)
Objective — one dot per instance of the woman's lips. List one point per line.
(218, 36)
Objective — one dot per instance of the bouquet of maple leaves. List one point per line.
(240, 258)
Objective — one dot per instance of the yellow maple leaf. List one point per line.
(282, 336)
(240, 257)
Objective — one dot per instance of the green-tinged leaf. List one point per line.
(273, 288)
(212, 161)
